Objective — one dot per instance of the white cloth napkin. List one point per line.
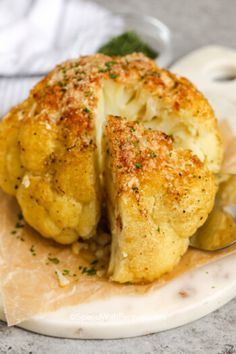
(35, 35)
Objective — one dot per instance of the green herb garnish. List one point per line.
(20, 216)
(53, 260)
(91, 271)
(20, 238)
(127, 43)
(87, 93)
(153, 154)
(138, 165)
(86, 110)
(135, 188)
(19, 225)
(32, 250)
(95, 261)
(113, 76)
(88, 271)
(109, 64)
(102, 70)
(62, 85)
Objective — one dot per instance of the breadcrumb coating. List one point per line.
(158, 196)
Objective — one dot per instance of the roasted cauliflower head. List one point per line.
(50, 145)
(158, 195)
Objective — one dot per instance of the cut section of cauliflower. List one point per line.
(158, 196)
(50, 145)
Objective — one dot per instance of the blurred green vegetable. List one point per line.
(127, 43)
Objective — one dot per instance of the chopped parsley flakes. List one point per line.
(32, 250)
(153, 154)
(138, 165)
(86, 110)
(95, 261)
(127, 43)
(88, 270)
(109, 64)
(62, 85)
(19, 225)
(113, 75)
(135, 188)
(53, 260)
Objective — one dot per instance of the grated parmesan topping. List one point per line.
(48, 126)
(26, 181)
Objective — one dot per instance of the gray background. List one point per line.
(194, 23)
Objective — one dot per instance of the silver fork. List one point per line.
(194, 243)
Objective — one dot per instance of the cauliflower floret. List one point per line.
(48, 161)
(158, 196)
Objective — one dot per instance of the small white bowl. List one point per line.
(151, 30)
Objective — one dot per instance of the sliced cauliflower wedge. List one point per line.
(53, 161)
(157, 196)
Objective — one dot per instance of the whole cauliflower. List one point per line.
(51, 150)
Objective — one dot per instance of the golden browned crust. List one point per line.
(137, 150)
(158, 196)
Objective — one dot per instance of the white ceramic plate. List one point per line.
(192, 295)
(184, 300)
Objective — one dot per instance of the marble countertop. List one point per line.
(193, 24)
